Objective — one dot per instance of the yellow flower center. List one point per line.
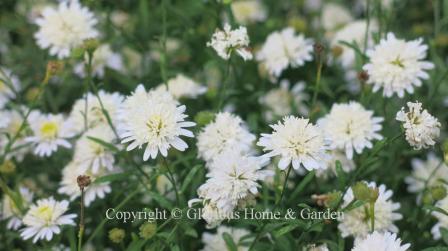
(45, 212)
(155, 124)
(398, 62)
(49, 130)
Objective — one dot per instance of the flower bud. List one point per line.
(148, 230)
(90, 45)
(116, 235)
(361, 191)
(438, 192)
(204, 117)
(427, 198)
(7, 167)
(445, 151)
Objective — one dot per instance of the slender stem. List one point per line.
(222, 89)
(372, 216)
(436, 6)
(81, 222)
(317, 87)
(170, 176)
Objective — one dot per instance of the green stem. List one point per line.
(222, 89)
(436, 7)
(81, 222)
(317, 86)
(170, 176)
(372, 216)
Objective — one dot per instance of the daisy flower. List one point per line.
(10, 211)
(6, 94)
(381, 242)
(44, 219)
(216, 242)
(421, 128)
(279, 101)
(226, 41)
(248, 11)
(69, 184)
(95, 116)
(65, 27)
(442, 219)
(284, 48)
(350, 127)
(426, 173)
(334, 16)
(91, 155)
(155, 121)
(296, 141)
(397, 65)
(103, 57)
(226, 132)
(11, 123)
(354, 221)
(184, 87)
(49, 132)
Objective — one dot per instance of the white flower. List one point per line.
(226, 41)
(44, 219)
(95, 116)
(103, 57)
(232, 181)
(91, 155)
(49, 132)
(154, 120)
(182, 86)
(334, 16)
(10, 210)
(381, 242)
(354, 222)
(215, 242)
(284, 48)
(226, 132)
(421, 127)
(69, 184)
(279, 101)
(248, 11)
(397, 65)
(12, 121)
(442, 219)
(65, 28)
(350, 127)
(426, 173)
(6, 94)
(297, 141)
(348, 165)
(353, 32)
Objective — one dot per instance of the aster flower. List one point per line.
(397, 65)
(91, 155)
(65, 27)
(284, 48)
(232, 182)
(354, 222)
(334, 16)
(296, 141)
(426, 173)
(155, 121)
(10, 211)
(421, 128)
(12, 121)
(442, 219)
(49, 132)
(279, 101)
(69, 185)
(248, 11)
(6, 94)
(95, 116)
(216, 242)
(226, 132)
(44, 219)
(381, 242)
(226, 41)
(351, 127)
(103, 57)
(182, 86)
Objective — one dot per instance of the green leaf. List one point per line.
(104, 143)
(436, 209)
(161, 200)
(112, 177)
(302, 185)
(342, 179)
(285, 230)
(229, 242)
(189, 177)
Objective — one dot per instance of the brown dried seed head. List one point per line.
(83, 181)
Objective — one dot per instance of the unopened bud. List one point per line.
(427, 198)
(445, 151)
(7, 167)
(361, 191)
(90, 45)
(438, 192)
(116, 235)
(204, 117)
(148, 230)
(83, 181)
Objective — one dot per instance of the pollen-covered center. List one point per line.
(398, 62)
(45, 213)
(155, 124)
(49, 130)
